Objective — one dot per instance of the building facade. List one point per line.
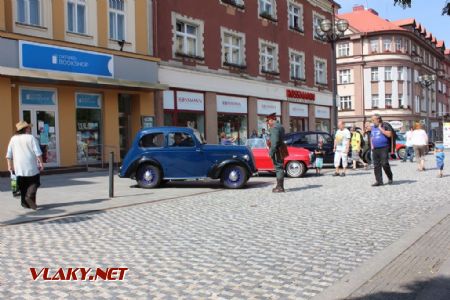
(82, 72)
(230, 63)
(378, 67)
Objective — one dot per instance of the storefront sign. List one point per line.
(91, 101)
(190, 101)
(322, 112)
(300, 96)
(446, 129)
(298, 110)
(61, 59)
(169, 99)
(267, 107)
(37, 97)
(147, 121)
(228, 104)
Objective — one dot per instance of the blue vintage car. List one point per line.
(161, 154)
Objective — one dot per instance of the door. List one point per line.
(125, 138)
(45, 129)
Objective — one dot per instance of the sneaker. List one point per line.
(377, 184)
(342, 175)
(335, 174)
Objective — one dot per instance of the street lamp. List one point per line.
(331, 31)
(426, 81)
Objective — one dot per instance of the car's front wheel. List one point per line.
(234, 177)
(401, 153)
(148, 176)
(295, 169)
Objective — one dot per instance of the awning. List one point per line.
(91, 80)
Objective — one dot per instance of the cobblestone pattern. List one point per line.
(245, 244)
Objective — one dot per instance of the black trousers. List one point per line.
(380, 158)
(28, 186)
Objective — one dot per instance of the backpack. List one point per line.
(393, 144)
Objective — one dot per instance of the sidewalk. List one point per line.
(416, 267)
(75, 193)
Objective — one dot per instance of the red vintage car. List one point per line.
(296, 164)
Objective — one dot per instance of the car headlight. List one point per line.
(246, 157)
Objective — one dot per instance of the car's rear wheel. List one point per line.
(148, 176)
(401, 153)
(295, 169)
(234, 177)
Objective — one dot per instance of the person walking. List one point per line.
(357, 142)
(276, 140)
(409, 146)
(341, 148)
(382, 135)
(419, 139)
(24, 158)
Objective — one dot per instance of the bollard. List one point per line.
(111, 174)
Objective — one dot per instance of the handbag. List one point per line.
(283, 151)
(14, 186)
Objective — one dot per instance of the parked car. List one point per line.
(309, 140)
(176, 153)
(296, 164)
(401, 147)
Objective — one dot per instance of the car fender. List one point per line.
(131, 171)
(216, 169)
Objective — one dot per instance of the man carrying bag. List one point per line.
(278, 150)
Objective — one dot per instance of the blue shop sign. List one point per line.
(61, 59)
(88, 100)
(37, 97)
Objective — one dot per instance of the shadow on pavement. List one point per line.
(308, 187)
(72, 218)
(436, 288)
(63, 204)
(399, 182)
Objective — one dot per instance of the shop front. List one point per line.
(232, 118)
(265, 108)
(89, 125)
(323, 118)
(298, 117)
(184, 109)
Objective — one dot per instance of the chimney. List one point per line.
(358, 7)
(373, 11)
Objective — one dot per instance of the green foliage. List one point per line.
(407, 3)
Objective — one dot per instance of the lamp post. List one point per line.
(426, 81)
(331, 31)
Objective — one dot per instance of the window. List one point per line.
(400, 73)
(343, 49)
(320, 67)
(387, 45)
(417, 102)
(179, 139)
(388, 100)
(375, 101)
(374, 45)
(266, 8)
(346, 103)
(236, 3)
(295, 17)
(399, 45)
(233, 49)
(374, 74)
(401, 101)
(268, 57)
(317, 19)
(152, 140)
(76, 16)
(344, 76)
(29, 12)
(388, 73)
(117, 20)
(186, 38)
(297, 63)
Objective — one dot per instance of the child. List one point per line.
(440, 157)
(320, 153)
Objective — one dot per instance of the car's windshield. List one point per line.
(256, 143)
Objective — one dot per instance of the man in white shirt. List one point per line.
(24, 158)
(341, 148)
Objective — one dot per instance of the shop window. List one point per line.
(323, 125)
(179, 139)
(29, 12)
(233, 127)
(117, 20)
(89, 139)
(152, 140)
(76, 16)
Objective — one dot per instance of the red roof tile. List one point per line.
(440, 44)
(447, 52)
(404, 22)
(366, 21)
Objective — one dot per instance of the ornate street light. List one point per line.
(426, 81)
(331, 31)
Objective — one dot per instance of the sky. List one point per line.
(426, 12)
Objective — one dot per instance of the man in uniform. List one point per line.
(275, 141)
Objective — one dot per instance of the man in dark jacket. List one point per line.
(275, 141)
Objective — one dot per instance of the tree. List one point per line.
(407, 3)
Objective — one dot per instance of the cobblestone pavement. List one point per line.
(245, 244)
